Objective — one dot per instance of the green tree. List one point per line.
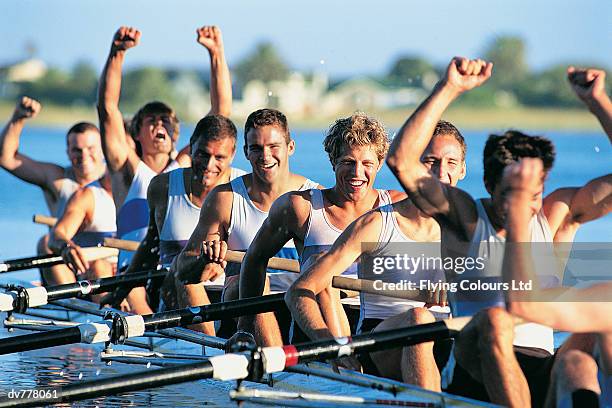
(264, 64)
(143, 85)
(83, 82)
(409, 70)
(547, 88)
(509, 63)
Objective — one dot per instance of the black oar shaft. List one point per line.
(101, 285)
(125, 383)
(371, 341)
(31, 262)
(214, 311)
(40, 340)
(121, 330)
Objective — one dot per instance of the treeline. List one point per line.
(513, 83)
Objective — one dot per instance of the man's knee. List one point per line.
(575, 362)
(495, 325)
(419, 315)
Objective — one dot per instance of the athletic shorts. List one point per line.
(441, 349)
(535, 363)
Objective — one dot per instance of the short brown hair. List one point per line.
(444, 128)
(267, 117)
(502, 150)
(356, 130)
(82, 127)
(213, 128)
(152, 108)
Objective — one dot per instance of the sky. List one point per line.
(336, 36)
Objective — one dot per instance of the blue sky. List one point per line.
(351, 37)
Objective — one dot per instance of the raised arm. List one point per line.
(590, 86)
(35, 172)
(79, 210)
(117, 150)
(404, 157)
(525, 180)
(301, 296)
(568, 208)
(220, 80)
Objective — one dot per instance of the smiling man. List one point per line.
(313, 219)
(155, 129)
(57, 183)
(233, 212)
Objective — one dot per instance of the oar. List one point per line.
(235, 366)
(292, 265)
(91, 254)
(289, 265)
(123, 327)
(44, 220)
(20, 298)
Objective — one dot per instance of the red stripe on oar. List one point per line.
(291, 355)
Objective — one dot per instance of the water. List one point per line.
(580, 157)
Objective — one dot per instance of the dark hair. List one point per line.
(510, 147)
(444, 128)
(82, 127)
(152, 108)
(213, 127)
(267, 117)
(356, 130)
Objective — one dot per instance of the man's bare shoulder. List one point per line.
(295, 204)
(158, 189)
(397, 195)
(219, 200)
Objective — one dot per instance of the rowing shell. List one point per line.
(295, 388)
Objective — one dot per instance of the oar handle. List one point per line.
(44, 220)
(289, 265)
(123, 244)
(375, 288)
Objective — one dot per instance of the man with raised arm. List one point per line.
(381, 234)
(233, 212)
(214, 141)
(175, 199)
(356, 147)
(575, 372)
(512, 363)
(57, 183)
(154, 128)
(579, 310)
(88, 219)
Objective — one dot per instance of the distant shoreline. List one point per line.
(476, 118)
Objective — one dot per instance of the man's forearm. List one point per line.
(306, 312)
(109, 90)
(602, 109)
(9, 140)
(412, 139)
(220, 85)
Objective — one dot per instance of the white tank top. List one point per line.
(321, 234)
(181, 218)
(487, 245)
(67, 189)
(133, 216)
(392, 242)
(103, 221)
(245, 221)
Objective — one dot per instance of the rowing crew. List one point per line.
(272, 211)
